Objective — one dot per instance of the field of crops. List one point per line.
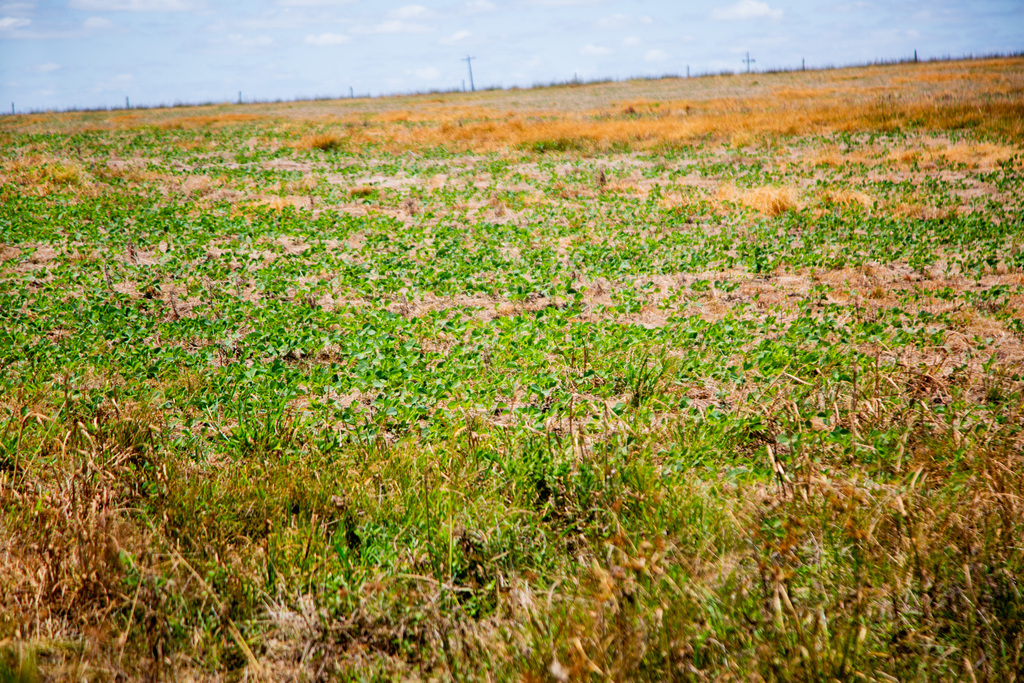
(709, 379)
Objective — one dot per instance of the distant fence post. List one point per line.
(748, 61)
(915, 56)
(687, 70)
(351, 93)
(803, 64)
(127, 105)
(469, 64)
(239, 96)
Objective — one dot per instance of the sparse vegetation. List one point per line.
(693, 380)
(326, 142)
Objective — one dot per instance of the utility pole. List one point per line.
(126, 103)
(239, 96)
(351, 93)
(749, 61)
(803, 64)
(469, 63)
(687, 70)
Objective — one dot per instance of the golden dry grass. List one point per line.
(984, 155)
(771, 201)
(826, 156)
(42, 175)
(322, 141)
(846, 198)
(672, 200)
(741, 122)
(982, 95)
(289, 201)
(183, 122)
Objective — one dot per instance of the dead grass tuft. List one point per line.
(42, 176)
(906, 157)
(327, 142)
(846, 198)
(984, 155)
(213, 120)
(741, 138)
(829, 156)
(916, 209)
(674, 200)
(288, 201)
(771, 201)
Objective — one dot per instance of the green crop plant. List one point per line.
(288, 398)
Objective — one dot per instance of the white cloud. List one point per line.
(656, 56)
(11, 23)
(118, 82)
(560, 3)
(427, 73)
(456, 37)
(394, 26)
(619, 21)
(591, 50)
(894, 34)
(96, 23)
(132, 5)
(44, 68)
(744, 10)
(243, 41)
(480, 6)
(630, 41)
(312, 3)
(324, 39)
(408, 12)
(614, 21)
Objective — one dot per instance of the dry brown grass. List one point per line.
(914, 208)
(846, 198)
(983, 95)
(673, 200)
(44, 175)
(984, 155)
(771, 201)
(214, 120)
(290, 201)
(825, 156)
(741, 122)
(323, 141)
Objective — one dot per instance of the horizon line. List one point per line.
(574, 82)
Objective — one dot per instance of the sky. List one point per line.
(59, 54)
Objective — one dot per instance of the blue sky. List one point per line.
(94, 53)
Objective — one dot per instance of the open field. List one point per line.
(709, 379)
